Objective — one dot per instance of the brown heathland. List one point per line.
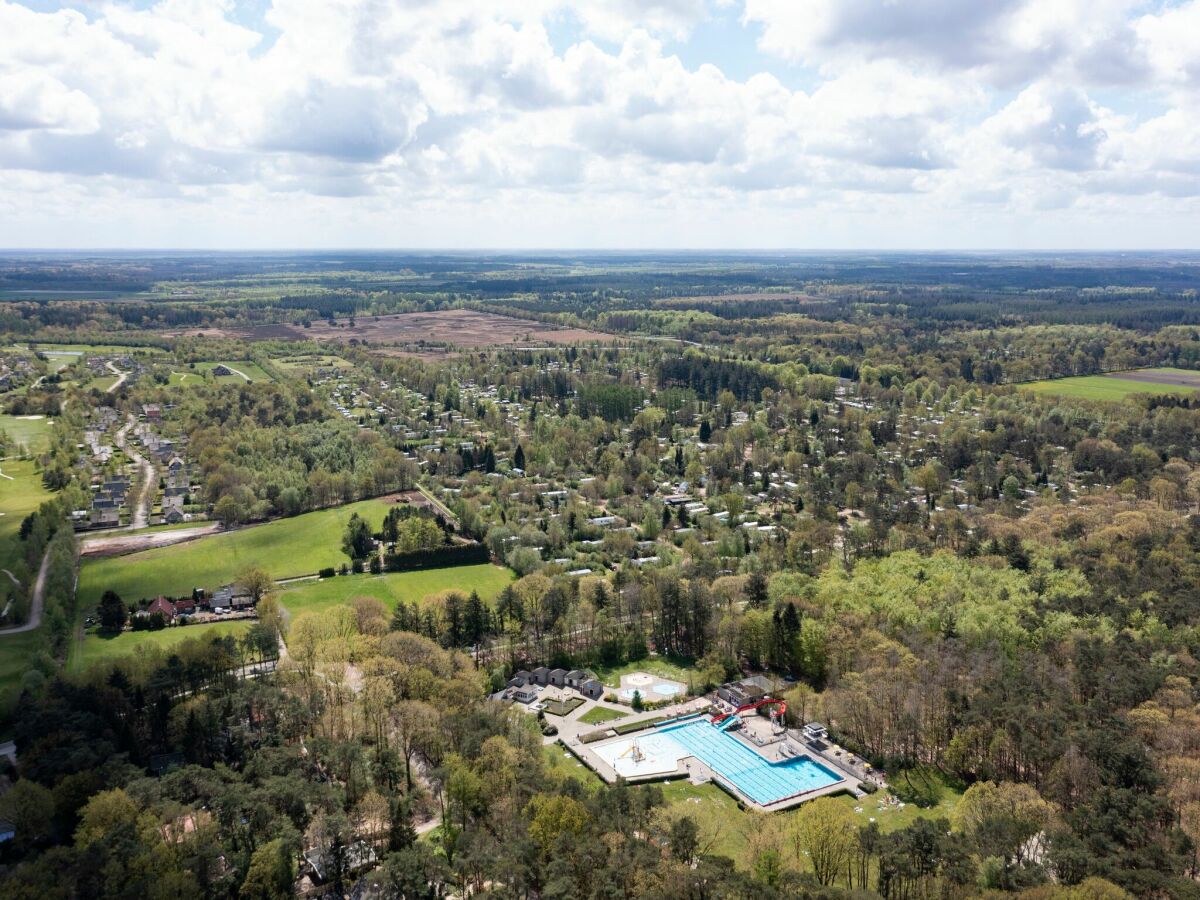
(447, 328)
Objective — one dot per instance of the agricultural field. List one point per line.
(393, 587)
(31, 431)
(1119, 385)
(95, 648)
(286, 548)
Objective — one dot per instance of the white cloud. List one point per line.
(358, 106)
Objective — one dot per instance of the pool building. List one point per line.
(775, 776)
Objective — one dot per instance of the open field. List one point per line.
(285, 548)
(95, 648)
(390, 588)
(188, 376)
(1119, 385)
(21, 492)
(309, 363)
(31, 431)
(458, 327)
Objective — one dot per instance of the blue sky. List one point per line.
(1038, 124)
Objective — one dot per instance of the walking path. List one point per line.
(11, 577)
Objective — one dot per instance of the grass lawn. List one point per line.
(673, 668)
(598, 715)
(390, 588)
(1110, 387)
(309, 363)
(100, 383)
(33, 433)
(562, 762)
(96, 648)
(18, 497)
(563, 707)
(189, 376)
(286, 548)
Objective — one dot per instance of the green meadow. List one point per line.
(21, 492)
(1111, 387)
(33, 433)
(285, 548)
(96, 648)
(393, 587)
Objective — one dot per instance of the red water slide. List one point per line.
(749, 707)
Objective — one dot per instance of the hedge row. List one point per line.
(438, 558)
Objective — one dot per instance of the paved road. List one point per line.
(141, 511)
(39, 599)
(121, 376)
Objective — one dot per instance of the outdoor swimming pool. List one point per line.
(762, 781)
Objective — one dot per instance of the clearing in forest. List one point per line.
(1119, 385)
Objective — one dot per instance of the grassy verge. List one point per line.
(284, 548)
(389, 589)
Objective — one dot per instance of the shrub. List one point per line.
(327, 572)
(868, 787)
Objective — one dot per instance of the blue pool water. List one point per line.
(762, 781)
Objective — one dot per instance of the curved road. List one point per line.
(35, 607)
(121, 376)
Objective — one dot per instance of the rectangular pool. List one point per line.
(762, 781)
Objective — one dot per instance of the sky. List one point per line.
(628, 124)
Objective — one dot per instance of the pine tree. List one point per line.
(519, 457)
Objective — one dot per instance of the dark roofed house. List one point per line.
(558, 677)
(576, 677)
(593, 689)
(541, 675)
(164, 606)
(185, 607)
(520, 679)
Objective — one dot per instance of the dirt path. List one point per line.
(39, 599)
(121, 376)
(11, 577)
(245, 377)
(119, 542)
(141, 511)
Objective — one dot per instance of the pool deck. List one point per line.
(697, 771)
